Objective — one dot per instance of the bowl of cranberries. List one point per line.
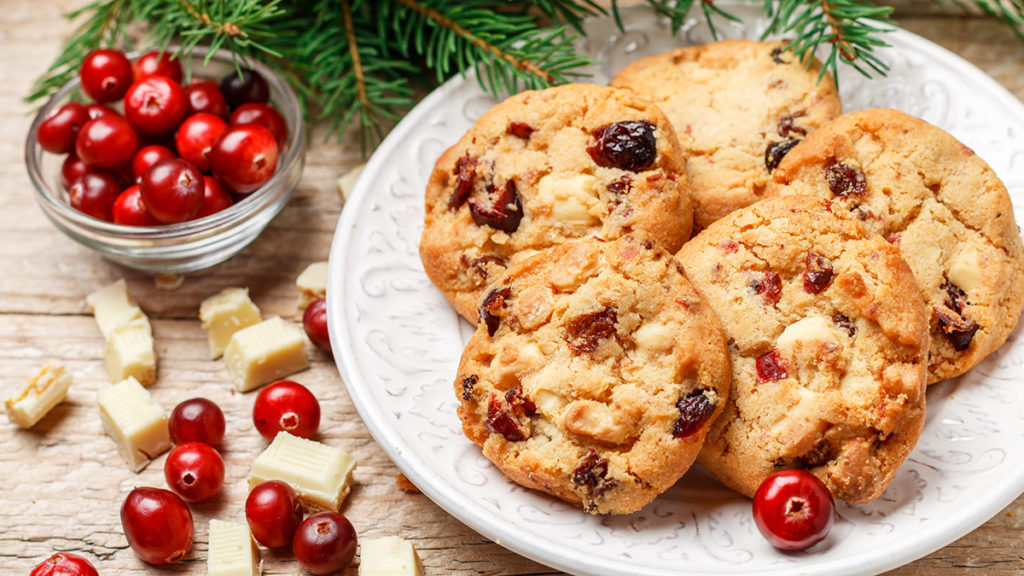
(166, 166)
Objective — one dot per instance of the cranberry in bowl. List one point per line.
(205, 237)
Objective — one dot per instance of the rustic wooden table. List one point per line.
(63, 482)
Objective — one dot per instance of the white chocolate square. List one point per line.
(225, 313)
(388, 556)
(112, 308)
(129, 352)
(319, 474)
(264, 352)
(312, 284)
(232, 551)
(38, 396)
(136, 423)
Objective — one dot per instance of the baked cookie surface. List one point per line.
(737, 107)
(941, 205)
(828, 338)
(544, 167)
(594, 374)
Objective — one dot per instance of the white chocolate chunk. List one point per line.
(965, 271)
(136, 423)
(312, 284)
(129, 352)
(38, 396)
(225, 313)
(232, 551)
(654, 337)
(571, 198)
(318, 473)
(804, 332)
(548, 403)
(347, 182)
(112, 308)
(388, 556)
(265, 352)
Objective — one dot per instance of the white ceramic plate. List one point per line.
(397, 344)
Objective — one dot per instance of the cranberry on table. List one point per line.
(205, 96)
(155, 105)
(172, 190)
(154, 63)
(129, 209)
(264, 115)
(100, 110)
(146, 157)
(106, 75)
(65, 564)
(194, 471)
(57, 133)
(793, 509)
(244, 157)
(215, 198)
(197, 420)
(273, 512)
(314, 320)
(94, 193)
(71, 169)
(157, 524)
(196, 137)
(325, 543)
(106, 142)
(242, 88)
(286, 406)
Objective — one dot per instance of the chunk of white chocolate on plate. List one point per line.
(321, 475)
(38, 396)
(112, 308)
(312, 284)
(388, 556)
(136, 423)
(264, 352)
(225, 313)
(232, 551)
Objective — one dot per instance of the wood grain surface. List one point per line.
(62, 483)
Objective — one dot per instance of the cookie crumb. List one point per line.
(405, 485)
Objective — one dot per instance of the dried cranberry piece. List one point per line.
(494, 301)
(621, 186)
(592, 475)
(776, 151)
(818, 273)
(627, 145)
(509, 417)
(468, 383)
(769, 287)
(776, 56)
(502, 209)
(465, 177)
(479, 265)
(845, 323)
(770, 367)
(519, 129)
(821, 453)
(584, 333)
(844, 180)
(957, 329)
(520, 405)
(957, 297)
(694, 409)
(786, 127)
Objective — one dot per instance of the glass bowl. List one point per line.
(186, 246)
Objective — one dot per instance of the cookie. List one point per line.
(594, 373)
(941, 205)
(544, 167)
(737, 106)
(828, 338)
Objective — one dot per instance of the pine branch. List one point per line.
(1009, 12)
(677, 12)
(568, 11)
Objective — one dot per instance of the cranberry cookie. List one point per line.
(941, 205)
(738, 106)
(547, 166)
(829, 340)
(594, 373)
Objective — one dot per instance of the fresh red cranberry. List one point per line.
(244, 157)
(106, 142)
(325, 543)
(194, 471)
(155, 105)
(146, 157)
(157, 524)
(154, 63)
(248, 86)
(172, 190)
(196, 137)
(314, 320)
(215, 197)
(71, 169)
(197, 420)
(57, 133)
(286, 406)
(100, 110)
(273, 512)
(205, 96)
(106, 75)
(793, 509)
(94, 193)
(264, 115)
(130, 210)
(65, 564)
